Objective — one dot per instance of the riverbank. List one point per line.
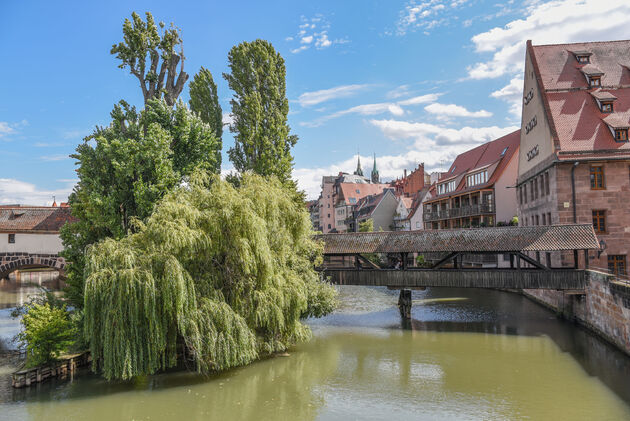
(603, 308)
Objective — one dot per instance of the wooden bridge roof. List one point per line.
(491, 239)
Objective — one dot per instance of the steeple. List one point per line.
(359, 171)
(375, 177)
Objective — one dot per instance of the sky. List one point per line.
(410, 81)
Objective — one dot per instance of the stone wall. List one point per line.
(604, 309)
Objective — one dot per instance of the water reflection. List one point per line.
(467, 354)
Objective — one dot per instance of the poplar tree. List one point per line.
(205, 101)
(259, 109)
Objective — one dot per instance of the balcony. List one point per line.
(464, 211)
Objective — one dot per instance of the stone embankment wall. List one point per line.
(604, 308)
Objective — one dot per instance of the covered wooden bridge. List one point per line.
(347, 257)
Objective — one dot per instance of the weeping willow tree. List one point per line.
(228, 273)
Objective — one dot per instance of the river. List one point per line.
(466, 355)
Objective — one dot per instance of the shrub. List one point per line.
(46, 332)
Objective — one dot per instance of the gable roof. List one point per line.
(490, 239)
(34, 219)
(578, 126)
(358, 191)
(481, 157)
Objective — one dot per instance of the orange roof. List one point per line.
(480, 157)
(34, 219)
(577, 123)
(359, 191)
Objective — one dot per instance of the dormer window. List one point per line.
(595, 81)
(621, 135)
(582, 56)
(504, 150)
(607, 107)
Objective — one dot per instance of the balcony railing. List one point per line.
(472, 210)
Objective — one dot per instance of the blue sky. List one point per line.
(412, 81)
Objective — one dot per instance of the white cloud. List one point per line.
(51, 158)
(560, 21)
(14, 191)
(426, 15)
(433, 145)
(393, 108)
(452, 110)
(317, 97)
(512, 93)
(314, 31)
(427, 137)
(402, 90)
(5, 129)
(422, 99)
(364, 109)
(227, 119)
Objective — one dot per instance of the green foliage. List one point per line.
(259, 108)
(228, 272)
(205, 101)
(124, 169)
(143, 48)
(366, 226)
(514, 221)
(46, 332)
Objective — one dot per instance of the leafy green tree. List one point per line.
(227, 272)
(205, 101)
(366, 226)
(259, 108)
(144, 49)
(124, 169)
(46, 332)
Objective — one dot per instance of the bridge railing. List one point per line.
(463, 211)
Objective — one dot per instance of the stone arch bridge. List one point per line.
(12, 261)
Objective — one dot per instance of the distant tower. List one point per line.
(375, 177)
(359, 171)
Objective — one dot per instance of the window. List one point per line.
(547, 184)
(582, 59)
(446, 187)
(353, 200)
(531, 190)
(607, 107)
(542, 185)
(11, 238)
(329, 205)
(599, 221)
(595, 81)
(504, 151)
(549, 218)
(524, 187)
(520, 195)
(478, 178)
(358, 192)
(544, 219)
(617, 264)
(598, 181)
(328, 215)
(417, 224)
(535, 188)
(621, 135)
(328, 226)
(537, 219)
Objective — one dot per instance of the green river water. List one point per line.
(466, 355)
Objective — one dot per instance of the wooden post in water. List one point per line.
(404, 303)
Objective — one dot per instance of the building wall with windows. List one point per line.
(576, 168)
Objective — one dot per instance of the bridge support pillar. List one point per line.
(404, 303)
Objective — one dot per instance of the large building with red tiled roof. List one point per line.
(475, 190)
(574, 161)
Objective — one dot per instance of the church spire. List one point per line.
(358, 171)
(375, 177)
